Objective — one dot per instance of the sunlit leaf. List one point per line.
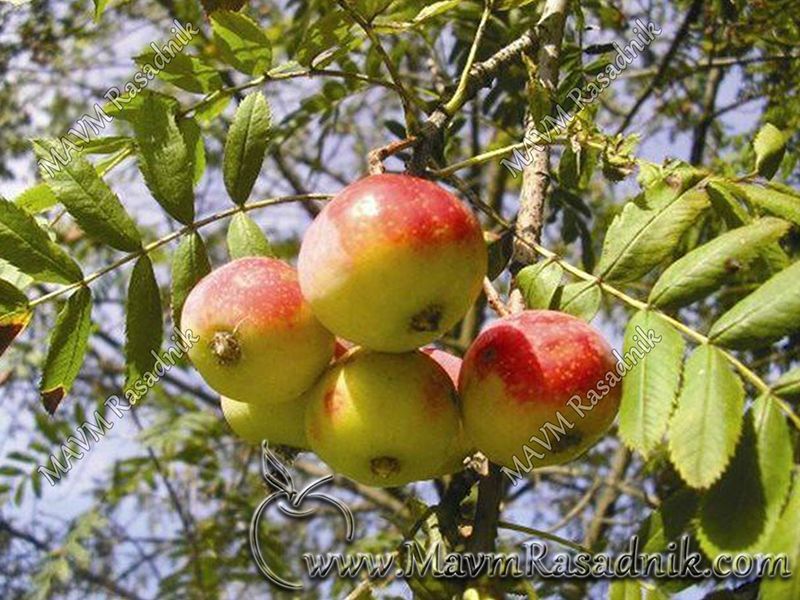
(706, 268)
(651, 386)
(644, 235)
(245, 238)
(580, 299)
(788, 384)
(769, 146)
(705, 427)
(36, 199)
(786, 540)
(766, 315)
(191, 73)
(242, 42)
(539, 282)
(772, 201)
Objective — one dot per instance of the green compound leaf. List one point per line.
(246, 146)
(705, 428)
(768, 314)
(650, 388)
(67, 348)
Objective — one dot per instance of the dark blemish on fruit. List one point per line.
(567, 441)
(488, 355)
(225, 348)
(435, 392)
(428, 319)
(384, 466)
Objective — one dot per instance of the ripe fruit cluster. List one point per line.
(391, 264)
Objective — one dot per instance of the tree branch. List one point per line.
(691, 16)
(90, 576)
(536, 175)
(607, 497)
(480, 75)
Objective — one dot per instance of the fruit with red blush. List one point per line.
(540, 386)
(258, 339)
(392, 262)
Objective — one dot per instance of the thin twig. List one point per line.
(480, 75)
(542, 534)
(493, 299)
(173, 236)
(691, 16)
(376, 157)
(406, 97)
(536, 174)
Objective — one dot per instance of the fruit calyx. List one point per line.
(428, 319)
(225, 347)
(384, 466)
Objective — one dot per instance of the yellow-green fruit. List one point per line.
(281, 423)
(392, 263)
(258, 339)
(462, 446)
(459, 450)
(383, 419)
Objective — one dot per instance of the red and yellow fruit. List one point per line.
(383, 419)
(530, 376)
(259, 341)
(392, 262)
